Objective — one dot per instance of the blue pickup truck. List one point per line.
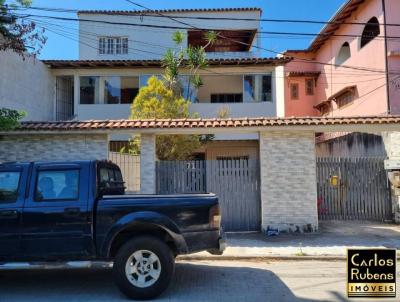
(72, 211)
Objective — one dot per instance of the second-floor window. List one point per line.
(345, 99)
(309, 86)
(294, 91)
(113, 45)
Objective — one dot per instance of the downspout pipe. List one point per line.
(386, 57)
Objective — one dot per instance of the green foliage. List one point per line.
(162, 99)
(9, 119)
(156, 100)
(17, 33)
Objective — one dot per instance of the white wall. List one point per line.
(143, 40)
(26, 85)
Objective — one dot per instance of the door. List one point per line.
(56, 220)
(12, 188)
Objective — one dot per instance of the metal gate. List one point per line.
(236, 182)
(353, 189)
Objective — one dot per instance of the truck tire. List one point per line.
(143, 267)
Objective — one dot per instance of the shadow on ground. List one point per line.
(194, 282)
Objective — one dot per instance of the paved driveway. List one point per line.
(194, 281)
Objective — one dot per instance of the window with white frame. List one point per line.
(113, 45)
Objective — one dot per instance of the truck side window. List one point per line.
(9, 183)
(57, 185)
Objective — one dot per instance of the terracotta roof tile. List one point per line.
(161, 11)
(202, 123)
(157, 63)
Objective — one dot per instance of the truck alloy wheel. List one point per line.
(143, 267)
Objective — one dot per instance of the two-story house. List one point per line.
(120, 50)
(351, 68)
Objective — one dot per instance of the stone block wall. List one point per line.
(62, 147)
(147, 164)
(288, 181)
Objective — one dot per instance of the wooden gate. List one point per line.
(236, 182)
(353, 189)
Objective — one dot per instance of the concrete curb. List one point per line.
(263, 258)
(260, 258)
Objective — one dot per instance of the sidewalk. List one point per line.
(332, 241)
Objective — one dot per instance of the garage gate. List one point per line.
(353, 189)
(235, 181)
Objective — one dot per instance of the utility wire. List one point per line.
(151, 13)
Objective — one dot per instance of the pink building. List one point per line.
(352, 67)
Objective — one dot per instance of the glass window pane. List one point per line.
(112, 90)
(57, 185)
(110, 45)
(257, 88)
(9, 183)
(102, 46)
(248, 93)
(124, 45)
(266, 88)
(129, 89)
(89, 90)
(118, 45)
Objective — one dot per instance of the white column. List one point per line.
(147, 164)
(279, 90)
(288, 181)
(76, 96)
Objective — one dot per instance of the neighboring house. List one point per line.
(120, 50)
(349, 73)
(22, 91)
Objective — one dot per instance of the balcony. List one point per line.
(110, 97)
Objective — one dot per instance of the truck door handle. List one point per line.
(10, 214)
(72, 212)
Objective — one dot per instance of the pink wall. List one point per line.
(371, 93)
(304, 105)
(393, 17)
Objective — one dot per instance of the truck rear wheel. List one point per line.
(143, 267)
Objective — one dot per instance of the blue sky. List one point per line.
(59, 47)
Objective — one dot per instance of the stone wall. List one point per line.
(53, 147)
(148, 164)
(288, 181)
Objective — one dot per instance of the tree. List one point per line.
(165, 98)
(19, 34)
(9, 118)
(156, 100)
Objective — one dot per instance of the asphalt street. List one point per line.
(193, 281)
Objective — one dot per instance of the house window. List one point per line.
(257, 88)
(309, 86)
(325, 109)
(344, 53)
(113, 45)
(371, 30)
(89, 90)
(344, 99)
(120, 90)
(294, 91)
(108, 90)
(226, 98)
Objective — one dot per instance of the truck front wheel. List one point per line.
(143, 267)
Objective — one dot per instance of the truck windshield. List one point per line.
(9, 182)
